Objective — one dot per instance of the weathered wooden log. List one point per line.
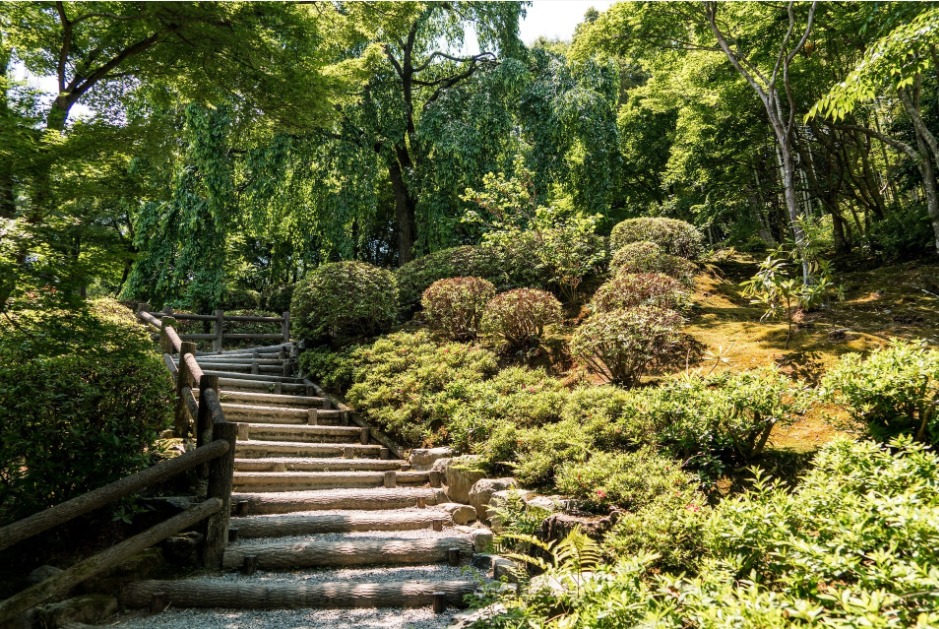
(97, 498)
(357, 499)
(315, 523)
(195, 371)
(299, 481)
(286, 327)
(440, 602)
(252, 594)
(267, 400)
(219, 488)
(170, 364)
(248, 337)
(232, 375)
(355, 551)
(259, 448)
(62, 582)
(219, 330)
(302, 433)
(335, 464)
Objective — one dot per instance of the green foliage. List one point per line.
(623, 345)
(519, 316)
(904, 233)
(630, 481)
(852, 546)
(894, 390)
(83, 395)
(647, 257)
(675, 237)
(342, 301)
(454, 307)
(626, 290)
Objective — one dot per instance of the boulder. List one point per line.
(482, 541)
(462, 474)
(461, 514)
(482, 492)
(90, 609)
(559, 525)
(422, 459)
(440, 466)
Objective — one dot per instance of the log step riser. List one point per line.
(294, 525)
(355, 552)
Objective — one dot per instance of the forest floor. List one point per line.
(892, 301)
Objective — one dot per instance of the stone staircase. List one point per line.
(322, 517)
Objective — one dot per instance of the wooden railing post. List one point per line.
(219, 486)
(204, 419)
(219, 330)
(286, 327)
(165, 344)
(182, 381)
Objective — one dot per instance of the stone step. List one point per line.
(313, 523)
(347, 550)
(283, 414)
(349, 435)
(300, 481)
(248, 593)
(234, 375)
(335, 464)
(264, 386)
(248, 503)
(254, 448)
(272, 399)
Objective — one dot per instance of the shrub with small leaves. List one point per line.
(519, 316)
(894, 390)
(623, 345)
(454, 307)
(675, 237)
(626, 290)
(342, 301)
(648, 257)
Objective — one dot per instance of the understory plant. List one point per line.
(519, 317)
(648, 257)
(626, 290)
(676, 237)
(454, 307)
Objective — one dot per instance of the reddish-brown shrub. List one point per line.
(454, 307)
(648, 257)
(519, 316)
(626, 290)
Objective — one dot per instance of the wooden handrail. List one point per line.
(97, 498)
(159, 321)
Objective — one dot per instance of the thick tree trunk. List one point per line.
(405, 214)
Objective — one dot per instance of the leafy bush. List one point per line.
(626, 290)
(83, 395)
(895, 389)
(855, 545)
(622, 345)
(519, 316)
(240, 299)
(648, 257)
(342, 301)
(629, 480)
(454, 307)
(675, 237)
(277, 298)
(533, 455)
(904, 232)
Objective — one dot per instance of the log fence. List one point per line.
(212, 459)
(218, 336)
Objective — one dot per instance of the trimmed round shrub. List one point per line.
(83, 396)
(454, 307)
(519, 316)
(648, 257)
(509, 265)
(623, 345)
(640, 289)
(342, 301)
(675, 237)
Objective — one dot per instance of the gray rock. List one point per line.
(482, 492)
(440, 466)
(90, 609)
(482, 561)
(461, 514)
(502, 567)
(423, 458)
(467, 619)
(462, 474)
(482, 541)
(42, 573)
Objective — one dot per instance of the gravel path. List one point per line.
(422, 618)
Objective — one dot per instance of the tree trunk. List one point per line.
(405, 220)
(792, 202)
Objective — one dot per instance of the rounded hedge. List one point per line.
(647, 257)
(519, 316)
(626, 290)
(342, 301)
(675, 237)
(454, 306)
(623, 345)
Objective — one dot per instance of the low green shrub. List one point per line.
(894, 390)
(648, 257)
(623, 345)
(854, 545)
(342, 301)
(454, 307)
(519, 316)
(240, 299)
(277, 298)
(629, 480)
(533, 455)
(83, 395)
(675, 237)
(626, 290)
